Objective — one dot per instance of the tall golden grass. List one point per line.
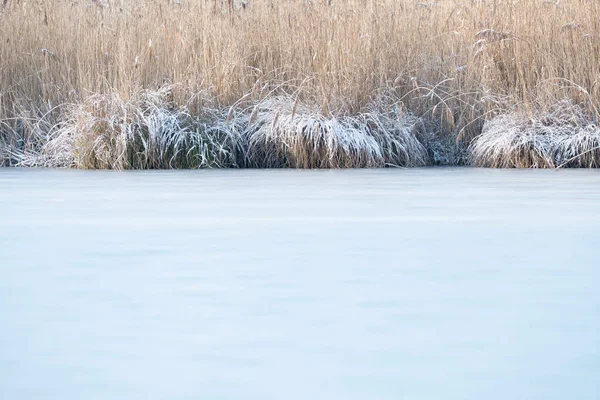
(453, 63)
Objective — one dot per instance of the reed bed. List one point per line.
(362, 73)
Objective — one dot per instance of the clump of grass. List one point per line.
(23, 136)
(285, 133)
(565, 136)
(579, 150)
(146, 131)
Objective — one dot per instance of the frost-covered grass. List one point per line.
(145, 132)
(566, 136)
(283, 133)
(23, 136)
(148, 131)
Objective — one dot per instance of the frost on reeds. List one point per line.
(283, 133)
(5, 145)
(149, 132)
(563, 137)
(4, 151)
(22, 136)
(145, 132)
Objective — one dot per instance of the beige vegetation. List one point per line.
(299, 83)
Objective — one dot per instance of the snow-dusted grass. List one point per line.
(283, 133)
(144, 132)
(22, 137)
(563, 137)
(148, 132)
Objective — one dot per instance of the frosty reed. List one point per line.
(332, 73)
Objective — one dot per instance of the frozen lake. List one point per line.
(362, 284)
